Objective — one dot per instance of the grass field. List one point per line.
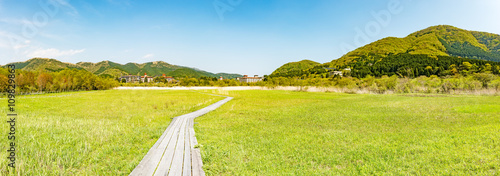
(92, 133)
(304, 133)
(261, 132)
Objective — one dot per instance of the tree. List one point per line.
(466, 66)
(487, 68)
(495, 69)
(428, 70)
(4, 82)
(26, 81)
(484, 78)
(44, 80)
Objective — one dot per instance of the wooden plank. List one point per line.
(178, 158)
(166, 159)
(186, 168)
(196, 161)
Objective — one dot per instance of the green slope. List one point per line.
(442, 40)
(294, 67)
(187, 72)
(491, 41)
(43, 64)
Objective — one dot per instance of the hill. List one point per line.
(294, 67)
(116, 69)
(51, 65)
(442, 40)
(399, 56)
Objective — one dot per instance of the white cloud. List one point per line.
(53, 53)
(147, 56)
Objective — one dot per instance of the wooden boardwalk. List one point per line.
(174, 152)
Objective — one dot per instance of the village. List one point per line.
(170, 79)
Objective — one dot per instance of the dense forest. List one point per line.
(402, 65)
(468, 50)
(410, 65)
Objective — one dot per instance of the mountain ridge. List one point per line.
(116, 70)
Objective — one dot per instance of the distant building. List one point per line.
(339, 73)
(130, 78)
(146, 78)
(168, 78)
(333, 71)
(247, 79)
(220, 78)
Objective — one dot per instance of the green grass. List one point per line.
(260, 133)
(303, 133)
(92, 133)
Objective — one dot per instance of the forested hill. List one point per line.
(115, 69)
(439, 48)
(294, 67)
(440, 40)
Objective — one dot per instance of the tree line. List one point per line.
(411, 65)
(64, 80)
(423, 84)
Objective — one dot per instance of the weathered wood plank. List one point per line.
(186, 168)
(177, 160)
(197, 163)
(166, 159)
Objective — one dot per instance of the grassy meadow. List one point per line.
(261, 132)
(304, 133)
(92, 133)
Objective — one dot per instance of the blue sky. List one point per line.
(232, 36)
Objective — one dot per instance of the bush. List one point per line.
(484, 78)
(495, 84)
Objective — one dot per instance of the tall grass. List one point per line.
(305, 133)
(92, 133)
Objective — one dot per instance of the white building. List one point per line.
(146, 78)
(130, 78)
(247, 79)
